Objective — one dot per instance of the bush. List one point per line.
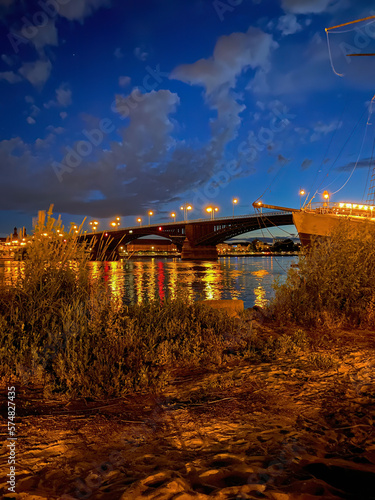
(334, 284)
(59, 328)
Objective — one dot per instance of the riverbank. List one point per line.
(294, 421)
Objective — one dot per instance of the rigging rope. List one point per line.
(360, 151)
(340, 152)
(330, 57)
(343, 31)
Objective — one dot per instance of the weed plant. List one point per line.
(61, 329)
(334, 284)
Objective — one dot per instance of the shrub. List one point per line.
(334, 283)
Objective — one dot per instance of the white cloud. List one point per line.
(30, 120)
(140, 54)
(29, 99)
(321, 129)
(123, 81)
(306, 6)
(118, 53)
(55, 130)
(6, 3)
(63, 97)
(46, 35)
(288, 25)
(63, 114)
(232, 55)
(77, 10)
(7, 59)
(34, 111)
(10, 77)
(37, 73)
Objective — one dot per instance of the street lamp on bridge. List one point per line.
(326, 198)
(140, 221)
(150, 213)
(186, 207)
(174, 216)
(211, 211)
(234, 202)
(301, 193)
(94, 225)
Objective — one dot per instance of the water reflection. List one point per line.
(247, 279)
(134, 281)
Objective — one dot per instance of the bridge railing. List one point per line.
(194, 221)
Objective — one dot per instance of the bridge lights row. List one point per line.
(186, 208)
(211, 211)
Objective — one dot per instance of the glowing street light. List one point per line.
(94, 225)
(113, 224)
(326, 197)
(211, 211)
(174, 216)
(234, 202)
(149, 216)
(186, 207)
(301, 193)
(140, 221)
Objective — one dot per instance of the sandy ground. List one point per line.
(277, 430)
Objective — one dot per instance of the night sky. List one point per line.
(117, 107)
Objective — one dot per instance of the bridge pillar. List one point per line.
(199, 252)
(191, 251)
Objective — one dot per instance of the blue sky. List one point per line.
(113, 108)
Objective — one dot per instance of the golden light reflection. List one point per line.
(259, 291)
(212, 280)
(260, 296)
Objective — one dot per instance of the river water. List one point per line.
(246, 278)
(136, 280)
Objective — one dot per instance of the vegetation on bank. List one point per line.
(60, 328)
(334, 283)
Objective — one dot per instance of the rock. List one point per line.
(237, 492)
(164, 485)
(274, 495)
(231, 307)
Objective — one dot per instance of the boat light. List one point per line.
(355, 206)
(365, 207)
(341, 205)
(348, 205)
(360, 207)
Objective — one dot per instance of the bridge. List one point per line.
(196, 239)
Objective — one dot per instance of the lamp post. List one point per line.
(140, 221)
(94, 225)
(326, 197)
(301, 193)
(174, 216)
(186, 207)
(234, 202)
(149, 216)
(211, 211)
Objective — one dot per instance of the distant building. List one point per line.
(149, 245)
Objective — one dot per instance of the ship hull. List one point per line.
(314, 224)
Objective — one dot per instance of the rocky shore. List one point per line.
(299, 427)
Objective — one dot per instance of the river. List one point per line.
(246, 278)
(136, 280)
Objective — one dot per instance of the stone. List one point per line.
(274, 495)
(164, 485)
(237, 491)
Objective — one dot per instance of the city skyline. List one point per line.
(111, 110)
